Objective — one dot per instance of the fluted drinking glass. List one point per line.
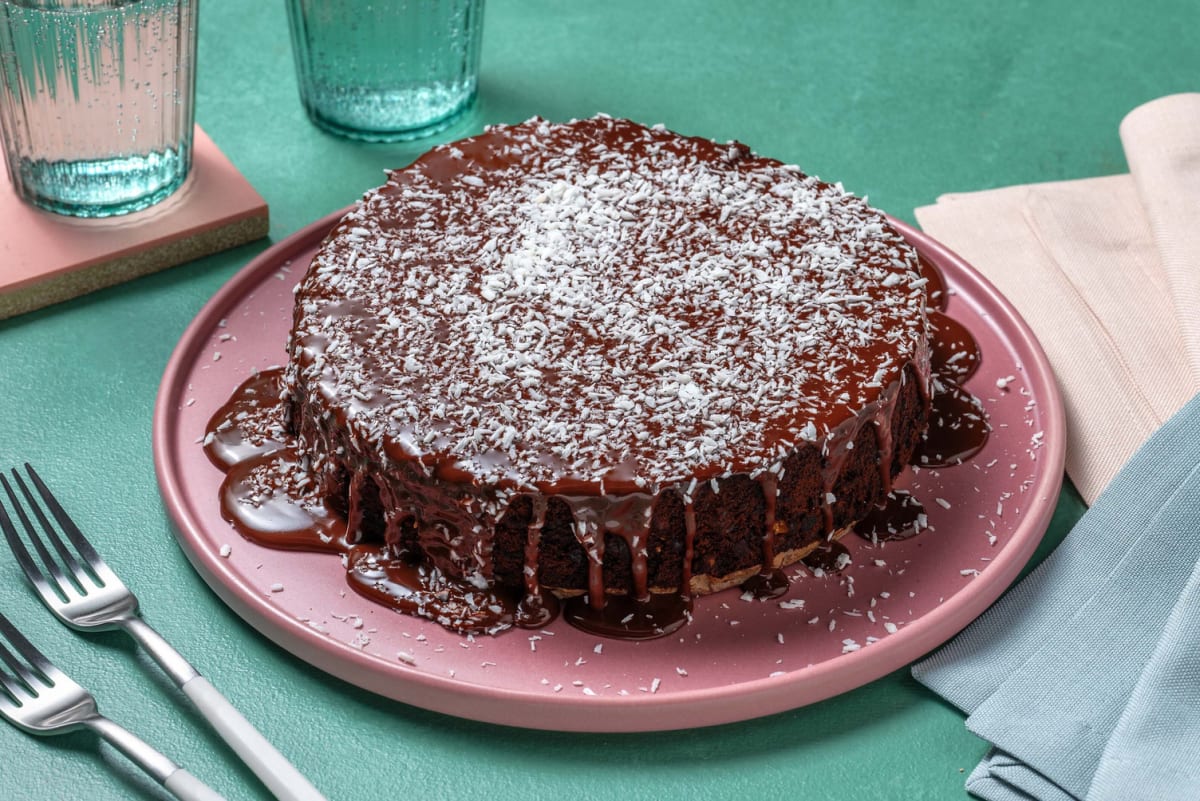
(96, 101)
(386, 70)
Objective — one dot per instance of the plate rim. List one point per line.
(634, 713)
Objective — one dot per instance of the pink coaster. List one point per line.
(49, 257)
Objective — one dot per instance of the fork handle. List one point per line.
(157, 765)
(271, 767)
(280, 776)
(187, 787)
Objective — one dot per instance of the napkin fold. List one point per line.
(1085, 677)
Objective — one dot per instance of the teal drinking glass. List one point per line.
(96, 101)
(386, 70)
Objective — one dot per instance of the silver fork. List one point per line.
(39, 698)
(83, 592)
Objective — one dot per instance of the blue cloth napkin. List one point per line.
(1085, 677)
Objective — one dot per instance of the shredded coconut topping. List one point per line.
(601, 302)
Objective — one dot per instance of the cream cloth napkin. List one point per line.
(1106, 271)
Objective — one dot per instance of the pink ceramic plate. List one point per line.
(739, 659)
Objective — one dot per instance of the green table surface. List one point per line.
(901, 101)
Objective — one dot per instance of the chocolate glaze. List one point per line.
(418, 589)
(958, 428)
(537, 608)
(626, 618)
(954, 355)
(935, 287)
(264, 499)
(830, 557)
(255, 425)
(445, 491)
(767, 584)
(417, 523)
(269, 496)
(900, 517)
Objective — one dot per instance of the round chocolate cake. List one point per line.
(601, 358)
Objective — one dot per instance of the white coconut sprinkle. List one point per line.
(661, 279)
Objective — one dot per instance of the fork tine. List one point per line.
(32, 572)
(82, 575)
(14, 684)
(68, 525)
(12, 690)
(63, 584)
(8, 699)
(33, 674)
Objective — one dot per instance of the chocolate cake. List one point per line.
(604, 359)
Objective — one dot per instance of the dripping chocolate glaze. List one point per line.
(403, 493)
(900, 516)
(958, 427)
(270, 497)
(829, 557)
